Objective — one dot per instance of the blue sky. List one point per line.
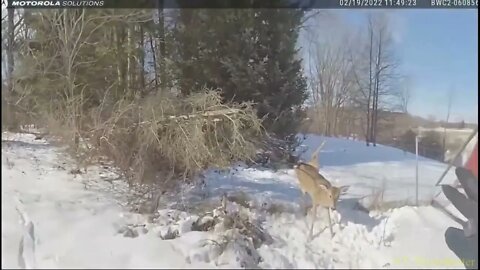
(438, 50)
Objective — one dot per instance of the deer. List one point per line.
(321, 192)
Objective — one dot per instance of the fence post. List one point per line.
(416, 170)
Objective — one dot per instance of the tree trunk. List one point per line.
(326, 119)
(161, 42)
(129, 61)
(337, 121)
(376, 90)
(374, 125)
(154, 58)
(10, 58)
(372, 117)
(368, 135)
(142, 59)
(118, 47)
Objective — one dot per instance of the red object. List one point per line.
(472, 163)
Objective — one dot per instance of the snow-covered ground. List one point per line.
(80, 220)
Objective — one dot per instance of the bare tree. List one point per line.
(130, 68)
(161, 42)
(331, 77)
(370, 80)
(377, 75)
(154, 59)
(141, 55)
(13, 22)
(10, 59)
(405, 94)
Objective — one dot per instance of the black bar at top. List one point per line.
(304, 4)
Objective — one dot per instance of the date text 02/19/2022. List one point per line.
(408, 3)
(378, 3)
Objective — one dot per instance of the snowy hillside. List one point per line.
(81, 220)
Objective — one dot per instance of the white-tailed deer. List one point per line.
(321, 191)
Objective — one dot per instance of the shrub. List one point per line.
(166, 133)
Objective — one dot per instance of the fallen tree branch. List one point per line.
(217, 113)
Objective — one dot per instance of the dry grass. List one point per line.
(377, 198)
(165, 133)
(378, 202)
(161, 134)
(401, 203)
(13, 115)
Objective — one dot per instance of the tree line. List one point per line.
(171, 89)
(248, 55)
(354, 75)
(123, 68)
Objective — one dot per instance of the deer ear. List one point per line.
(344, 189)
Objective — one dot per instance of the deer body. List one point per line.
(319, 189)
(313, 183)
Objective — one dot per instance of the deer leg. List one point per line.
(308, 204)
(313, 220)
(330, 222)
(304, 206)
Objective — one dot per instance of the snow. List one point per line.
(82, 221)
(74, 227)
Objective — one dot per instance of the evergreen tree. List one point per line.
(249, 54)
